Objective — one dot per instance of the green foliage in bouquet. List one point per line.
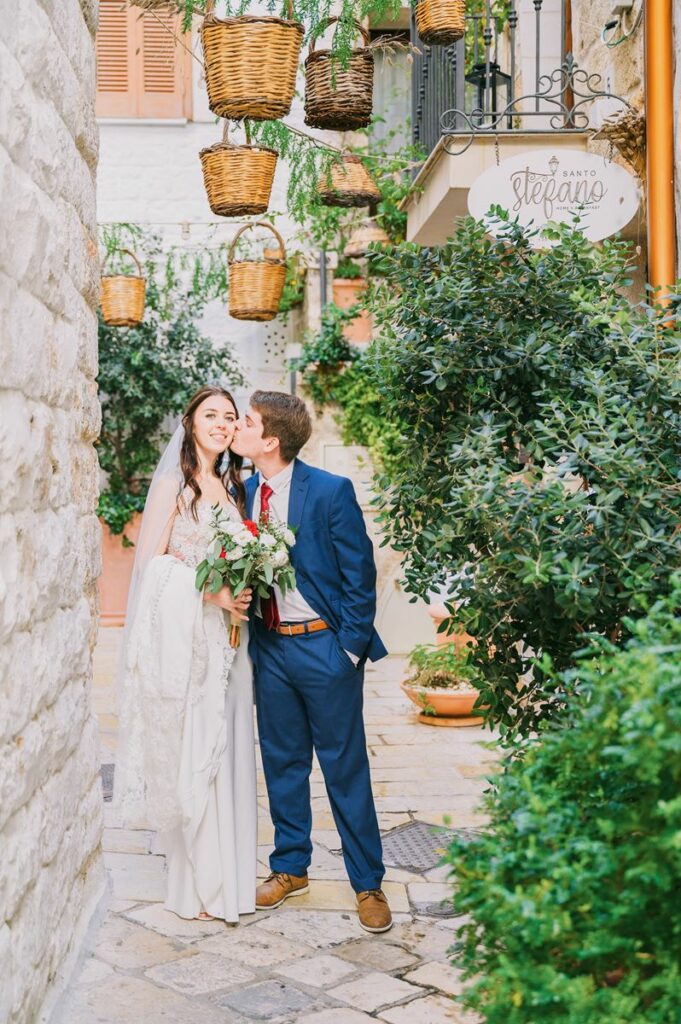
(538, 447)
(572, 889)
(149, 372)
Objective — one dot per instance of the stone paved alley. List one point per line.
(308, 962)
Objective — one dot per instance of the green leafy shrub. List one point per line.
(537, 447)
(148, 373)
(573, 890)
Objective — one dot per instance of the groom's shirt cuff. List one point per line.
(353, 657)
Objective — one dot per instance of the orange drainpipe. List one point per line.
(659, 100)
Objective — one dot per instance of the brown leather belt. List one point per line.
(298, 628)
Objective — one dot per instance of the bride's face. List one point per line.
(214, 424)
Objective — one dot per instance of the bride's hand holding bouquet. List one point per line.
(246, 558)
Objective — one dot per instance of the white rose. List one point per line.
(232, 528)
(278, 559)
(234, 555)
(289, 536)
(244, 538)
(268, 541)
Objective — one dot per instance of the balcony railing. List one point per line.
(510, 73)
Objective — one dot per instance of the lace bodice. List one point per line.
(189, 538)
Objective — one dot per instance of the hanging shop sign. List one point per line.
(546, 185)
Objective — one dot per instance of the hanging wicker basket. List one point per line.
(238, 179)
(364, 236)
(441, 22)
(250, 64)
(122, 296)
(256, 286)
(336, 97)
(348, 184)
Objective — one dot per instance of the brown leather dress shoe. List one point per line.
(277, 888)
(374, 912)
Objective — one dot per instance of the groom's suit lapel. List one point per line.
(299, 487)
(251, 491)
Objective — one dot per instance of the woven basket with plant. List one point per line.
(256, 286)
(440, 22)
(348, 183)
(339, 96)
(251, 62)
(122, 295)
(238, 179)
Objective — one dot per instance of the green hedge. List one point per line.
(573, 892)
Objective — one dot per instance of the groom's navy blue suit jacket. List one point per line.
(333, 556)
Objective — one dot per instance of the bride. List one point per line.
(186, 761)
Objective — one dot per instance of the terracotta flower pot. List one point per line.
(452, 707)
(117, 562)
(347, 292)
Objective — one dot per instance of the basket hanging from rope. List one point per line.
(441, 22)
(348, 184)
(364, 236)
(339, 97)
(122, 295)
(256, 286)
(238, 179)
(251, 62)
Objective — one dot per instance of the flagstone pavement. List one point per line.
(308, 962)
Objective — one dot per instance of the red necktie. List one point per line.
(268, 605)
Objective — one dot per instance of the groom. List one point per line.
(309, 648)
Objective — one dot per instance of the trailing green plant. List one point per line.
(293, 294)
(325, 353)
(311, 12)
(327, 226)
(537, 455)
(148, 373)
(571, 891)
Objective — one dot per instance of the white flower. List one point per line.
(232, 528)
(267, 540)
(244, 538)
(289, 536)
(234, 555)
(278, 559)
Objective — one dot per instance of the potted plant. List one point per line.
(442, 684)
(349, 286)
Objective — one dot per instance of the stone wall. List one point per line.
(51, 877)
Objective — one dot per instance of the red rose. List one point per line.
(252, 527)
(223, 553)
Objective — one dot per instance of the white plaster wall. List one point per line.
(51, 875)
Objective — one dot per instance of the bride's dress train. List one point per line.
(187, 761)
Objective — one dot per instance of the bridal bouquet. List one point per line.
(246, 554)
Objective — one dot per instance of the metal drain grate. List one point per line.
(107, 773)
(416, 846)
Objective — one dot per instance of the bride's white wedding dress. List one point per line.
(186, 765)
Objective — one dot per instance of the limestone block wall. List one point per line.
(51, 877)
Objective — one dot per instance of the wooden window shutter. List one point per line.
(142, 71)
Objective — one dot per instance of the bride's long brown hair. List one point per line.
(189, 460)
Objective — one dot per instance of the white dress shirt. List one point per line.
(292, 606)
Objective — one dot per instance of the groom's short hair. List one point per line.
(285, 417)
